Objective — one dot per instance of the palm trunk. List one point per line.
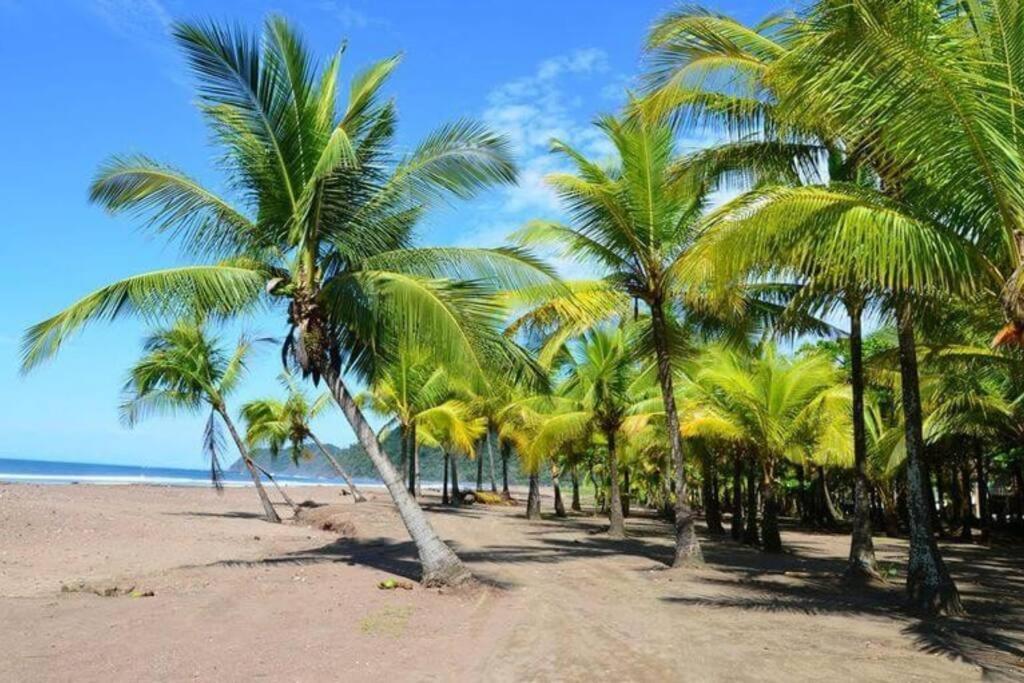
(559, 504)
(750, 532)
(930, 588)
(861, 563)
(984, 516)
(712, 512)
(830, 515)
(490, 459)
(770, 537)
(280, 489)
(418, 488)
(626, 500)
(506, 453)
(356, 493)
(575, 490)
(456, 492)
(964, 502)
(533, 497)
(403, 457)
(737, 498)
(617, 527)
(480, 467)
(269, 513)
(411, 448)
(687, 550)
(445, 500)
(440, 565)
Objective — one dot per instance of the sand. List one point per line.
(234, 598)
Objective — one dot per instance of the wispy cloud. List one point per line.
(136, 19)
(533, 110)
(348, 16)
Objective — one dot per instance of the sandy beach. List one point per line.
(235, 598)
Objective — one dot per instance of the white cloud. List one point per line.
(348, 16)
(138, 19)
(535, 109)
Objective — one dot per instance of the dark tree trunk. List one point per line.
(403, 453)
(575, 490)
(410, 479)
(456, 493)
(963, 494)
(490, 460)
(559, 505)
(626, 500)
(269, 513)
(480, 467)
(712, 511)
(533, 498)
(770, 538)
(616, 526)
(445, 500)
(750, 532)
(506, 453)
(441, 566)
(737, 498)
(890, 513)
(984, 515)
(687, 545)
(861, 563)
(930, 588)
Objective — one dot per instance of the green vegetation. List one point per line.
(875, 156)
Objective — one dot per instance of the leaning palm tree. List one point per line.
(184, 370)
(323, 230)
(278, 423)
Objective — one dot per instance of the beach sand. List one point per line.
(235, 598)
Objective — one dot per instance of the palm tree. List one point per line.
(843, 78)
(323, 231)
(184, 370)
(635, 221)
(278, 423)
(600, 389)
(776, 408)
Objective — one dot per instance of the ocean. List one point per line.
(50, 472)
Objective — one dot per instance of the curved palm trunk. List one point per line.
(533, 497)
(356, 494)
(280, 489)
(861, 563)
(268, 508)
(440, 565)
(559, 503)
(930, 588)
(617, 526)
(687, 545)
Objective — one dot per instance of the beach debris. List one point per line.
(327, 518)
(105, 590)
(392, 584)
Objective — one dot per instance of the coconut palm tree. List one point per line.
(776, 408)
(184, 370)
(634, 221)
(277, 423)
(322, 231)
(841, 77)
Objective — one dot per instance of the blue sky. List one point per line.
(89, 78)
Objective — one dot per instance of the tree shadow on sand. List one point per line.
(990, 637)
